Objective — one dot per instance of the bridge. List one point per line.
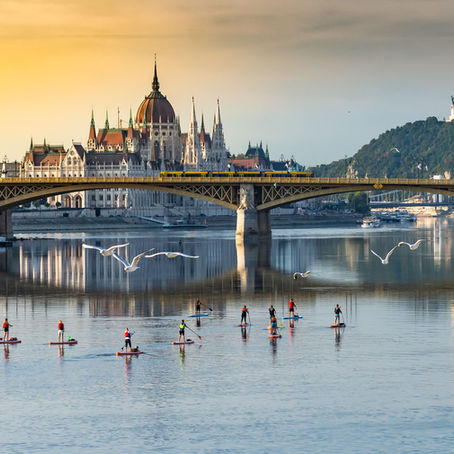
(252, 197)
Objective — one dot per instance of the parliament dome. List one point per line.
(155, 108)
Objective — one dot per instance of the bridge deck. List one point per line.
(386, 182)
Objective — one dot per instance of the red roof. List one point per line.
(246, 163)
(112, 137)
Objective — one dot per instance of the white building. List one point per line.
(151, 143)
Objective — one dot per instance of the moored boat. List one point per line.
(370, 222)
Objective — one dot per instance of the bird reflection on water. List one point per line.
(226, 269)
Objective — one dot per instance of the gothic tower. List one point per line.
(192, 156)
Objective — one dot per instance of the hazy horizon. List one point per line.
(312, 79)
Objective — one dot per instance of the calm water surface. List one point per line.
(382, 385)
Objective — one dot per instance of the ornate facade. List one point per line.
(151, 143)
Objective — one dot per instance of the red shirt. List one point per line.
(127, 334)
(291, 304)
(61, 327)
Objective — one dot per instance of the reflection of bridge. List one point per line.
(251, 197)
(37, 274)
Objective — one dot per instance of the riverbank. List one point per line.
(34, 224)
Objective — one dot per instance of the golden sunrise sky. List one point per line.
(316, 79)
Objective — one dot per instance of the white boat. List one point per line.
(370, 222)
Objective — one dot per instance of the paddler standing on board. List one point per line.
(291, 308)
(61, 331)
(197, 307)
(6, 326)
(244, 313)
(337, 312)
(272, 312)
(127, 335)
(181, 332)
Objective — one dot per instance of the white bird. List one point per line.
(386, 259)
(130, 267)
(104, 252)
(172, 255)
(411, 246)
(295, 275)
(395, 149)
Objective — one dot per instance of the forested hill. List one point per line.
(415, 150)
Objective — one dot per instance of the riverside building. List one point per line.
(151, 142)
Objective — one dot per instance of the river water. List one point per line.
(384, 384)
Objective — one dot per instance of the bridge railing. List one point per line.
(375, 183)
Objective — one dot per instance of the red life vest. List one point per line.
(127, 335)
(291, 304)
(5, 324)
(244, 309)
(61, 327)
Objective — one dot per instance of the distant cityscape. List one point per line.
(151, 142)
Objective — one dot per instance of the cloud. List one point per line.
(284, 26)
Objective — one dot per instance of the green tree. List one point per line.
(358, 202)
(415, 150)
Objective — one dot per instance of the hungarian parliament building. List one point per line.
(151, 142)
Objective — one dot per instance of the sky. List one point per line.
(313, 79)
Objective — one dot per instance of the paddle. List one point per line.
(200, 337)
(206, 306)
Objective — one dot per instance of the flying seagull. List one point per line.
(130, 267)
(295, 275)
(104, 252)
(172, 255)
(411, 246)
(395, 149)
(385, 260)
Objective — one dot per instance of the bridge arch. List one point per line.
(251, 197)
(42, 193)
(333, 191)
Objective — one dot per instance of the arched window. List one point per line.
(156, 149)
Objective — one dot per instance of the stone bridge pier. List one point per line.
(250, 221)
(6, 226)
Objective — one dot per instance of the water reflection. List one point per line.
(339, 260)
(338, 334)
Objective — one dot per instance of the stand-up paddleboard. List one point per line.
(128, 353)
(342, 325)
(189, 341)
(244, 325)
(203, 314)
(17, 341)
(274, 336)
(279, 327)
(73, 342)
(296, 317)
